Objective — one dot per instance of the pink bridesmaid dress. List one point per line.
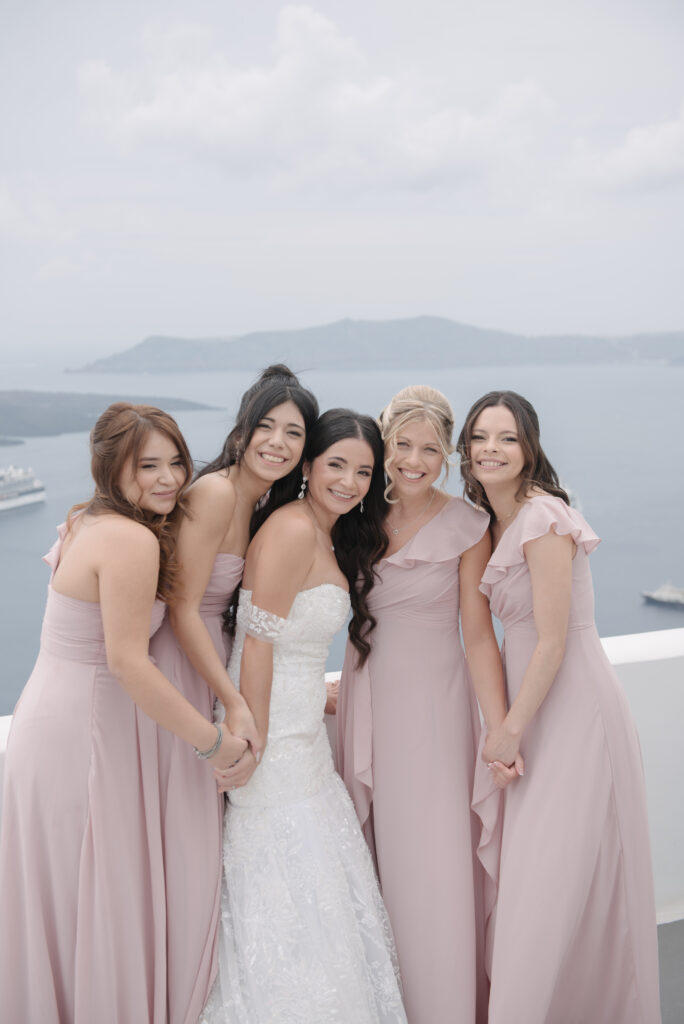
(571, 934)
(192, 813)
(408, 729)
(82, 900)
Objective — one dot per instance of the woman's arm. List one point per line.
(549, 559)
(482, 650)
(211, 506)
(283, 562)
(127, 571)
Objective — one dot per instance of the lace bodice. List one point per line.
(297, 758)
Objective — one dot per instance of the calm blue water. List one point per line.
(614, 434)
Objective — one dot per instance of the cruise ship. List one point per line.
(19, 487)
(665, 594)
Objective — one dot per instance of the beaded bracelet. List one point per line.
(212, 750)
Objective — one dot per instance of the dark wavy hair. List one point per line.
(275, 385)
(119, 436)
(359, 537)
(537, 470)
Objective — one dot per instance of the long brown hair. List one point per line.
(119, 436)
(537, 470)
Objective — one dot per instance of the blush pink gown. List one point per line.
(192, 811)
(571, 932)
(82, 900)
(408, 729)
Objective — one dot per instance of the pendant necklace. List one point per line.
(508, 516)
(398, 529)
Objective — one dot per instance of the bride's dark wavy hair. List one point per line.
(359, 537)
(117, 441)
(537, 470)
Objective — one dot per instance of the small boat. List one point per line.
(19, 487)
(665, 594)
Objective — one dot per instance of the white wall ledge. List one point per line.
(650, 667)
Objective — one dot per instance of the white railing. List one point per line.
(651, 669)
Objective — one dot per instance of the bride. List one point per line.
(304, 937)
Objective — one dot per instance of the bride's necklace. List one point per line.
(397, 529)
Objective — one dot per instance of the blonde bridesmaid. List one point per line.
(572, 933)
(408, 724)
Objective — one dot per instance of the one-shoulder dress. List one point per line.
(192, 812)
(82, 899)
(572, 929)
(408, 730)
(304, 937)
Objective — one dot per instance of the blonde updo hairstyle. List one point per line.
(415, 404)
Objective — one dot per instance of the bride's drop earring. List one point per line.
(302, 489)
(361, 506)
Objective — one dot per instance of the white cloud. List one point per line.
(648, 158)
(319, 111)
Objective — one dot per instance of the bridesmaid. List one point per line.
(261, 454)
(574, 936)
(83, 925)
(408, 725)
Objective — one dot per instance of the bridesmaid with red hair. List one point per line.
(83, 926)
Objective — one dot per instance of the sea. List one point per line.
(614, 433)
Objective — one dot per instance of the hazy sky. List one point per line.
(231, 165)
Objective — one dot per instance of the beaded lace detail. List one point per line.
(304, 936)
(264, 625)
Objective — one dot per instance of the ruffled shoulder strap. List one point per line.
(456, 527)
(540, 515)
(53, 555)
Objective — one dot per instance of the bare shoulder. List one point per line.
(118, 537)
(211, 490)
(290, 524)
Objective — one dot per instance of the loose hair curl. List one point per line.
(119, 436)
(537, 470)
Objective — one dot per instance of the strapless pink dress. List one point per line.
(408, 729)
(572, 926)
(192, 811)
(82, 900)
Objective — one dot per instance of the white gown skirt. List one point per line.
(304, 935)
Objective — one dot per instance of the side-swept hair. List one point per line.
(119, 436)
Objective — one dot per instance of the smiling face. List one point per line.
(340, 477)
(153, 482)
(495, 451)
(276, 445)
(414, 459)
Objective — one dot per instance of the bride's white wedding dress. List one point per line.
(304, 936)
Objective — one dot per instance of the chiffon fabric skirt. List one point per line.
(192, 814)
(82, 900)
(571, 917)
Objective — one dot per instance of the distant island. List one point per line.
(365, 345)
(47, 413)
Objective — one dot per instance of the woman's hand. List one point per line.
(230, 752)
(332, 690)
(501, 775)
(503, 746)
(240, 721)
(238, 774)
